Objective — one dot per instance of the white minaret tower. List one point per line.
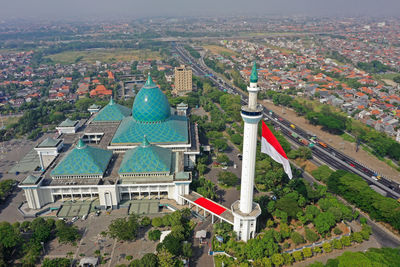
(245, 211)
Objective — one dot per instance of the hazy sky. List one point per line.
(134, 8)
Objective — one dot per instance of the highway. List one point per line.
(332, 157)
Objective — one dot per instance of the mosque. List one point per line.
(147, 152)
(118, 154)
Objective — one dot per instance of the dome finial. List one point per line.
(80, 144)
(111, 101)
(254, 74)
(149, 82)
(145, 142)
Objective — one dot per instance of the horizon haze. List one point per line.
(105, 9)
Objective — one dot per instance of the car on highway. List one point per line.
(374, 177)
(352, 165)
(280, 119)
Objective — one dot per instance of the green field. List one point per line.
(220, 50)
(103, 55)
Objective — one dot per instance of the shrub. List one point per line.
(356, 237)
(157, 222)
(154, 235)
(337, 231)
(146, 221)
(277, 259)
(337, 244)
(129, 257)
(311, 235)
(317, 249)
(363, 220)
(307, 252)
(287, 259)
(228, 178)
(297, 255)
(327, 247)
(346, 241)
(297, 238)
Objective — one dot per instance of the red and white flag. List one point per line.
(271, 146)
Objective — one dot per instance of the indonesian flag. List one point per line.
(271, 146)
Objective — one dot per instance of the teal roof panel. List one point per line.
(112, 112)
(68, 123)
(49, 142)
(173, 130)
(30, 180)
(83, 160)
(146, 158)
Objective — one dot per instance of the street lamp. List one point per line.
(44, 252)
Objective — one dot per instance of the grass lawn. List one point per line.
(104, 55)
(281, 49)
(388, 76)
(220, 50)
(348, 137)
(9, 120)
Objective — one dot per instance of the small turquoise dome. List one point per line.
(150, 105)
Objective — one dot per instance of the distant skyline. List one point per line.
(110, 9)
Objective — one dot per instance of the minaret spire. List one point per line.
(245, 211)
(254, 74)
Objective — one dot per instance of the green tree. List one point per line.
(165, 258)
(324, 221)
(124, 229)
(149, 260)
(66, 233)
(57, 262)
(172, 244)
(9, 236)
(228, 178)
(187, 250)
(157, 222)
(145, 221)
(201, 168)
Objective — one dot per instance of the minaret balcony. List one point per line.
(257, 111)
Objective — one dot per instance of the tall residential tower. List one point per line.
(183, 80)
(245, 211)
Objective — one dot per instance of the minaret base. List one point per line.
(244, 225)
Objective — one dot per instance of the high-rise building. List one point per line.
(245, 211)
(183, 80)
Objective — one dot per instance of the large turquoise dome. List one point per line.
(150, 105)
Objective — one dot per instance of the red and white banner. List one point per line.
(271, 146)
